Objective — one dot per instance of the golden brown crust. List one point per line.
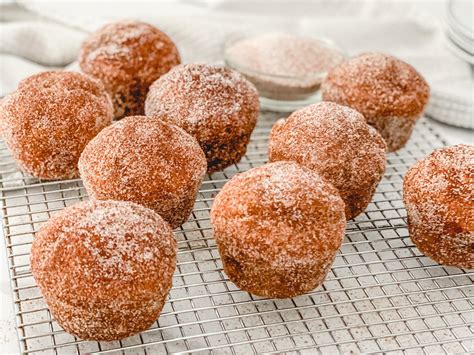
(395, 130)
(50, 118)
(128, 57)
(278, 228)
(104, 268)
(382, 88)
(146, 161)
(438, 192)
(337, 143)
(216, 105)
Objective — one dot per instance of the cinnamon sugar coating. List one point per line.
(438, 192)
(49, 119)
(337, 143)
(146, 161)
(278, 228)
(283, 66)
(216, 105)
(390, 94)
(104, 268)
(127, 57)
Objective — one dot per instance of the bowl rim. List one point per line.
(328, 43)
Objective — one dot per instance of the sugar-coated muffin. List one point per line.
(390, 94)
(216, 105)
(104, 268)
(438, 192)
(49, 119)
(278, 228)
(146, 161)
(128, 56)
(336, 142)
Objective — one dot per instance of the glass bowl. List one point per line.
(280, 92)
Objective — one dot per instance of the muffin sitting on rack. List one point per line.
(127, 57)
(390, 94)
(104, 268)
(50, 118)
(146, 161)
(438, 192)
(278, 228)
(337, 143)
(216, 105)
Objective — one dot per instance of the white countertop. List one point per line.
(8, 336)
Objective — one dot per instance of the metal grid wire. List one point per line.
(381, 294)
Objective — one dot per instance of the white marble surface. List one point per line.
(8, 338)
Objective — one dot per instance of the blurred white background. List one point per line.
(38, 35)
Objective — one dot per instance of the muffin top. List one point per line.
(377, 85)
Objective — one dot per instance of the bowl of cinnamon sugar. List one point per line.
(286, 69)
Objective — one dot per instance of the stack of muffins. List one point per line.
(105, 266)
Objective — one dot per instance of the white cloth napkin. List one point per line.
(200, 29)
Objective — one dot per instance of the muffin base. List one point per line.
(274, 281)
(395, 130)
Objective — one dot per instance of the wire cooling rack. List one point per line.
(382, 295)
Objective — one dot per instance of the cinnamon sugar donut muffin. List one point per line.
(128, 56)
(438, 192)
(49, 119)
(146, 161)
(278, 228)
(104, 268)
(390, 94)
(336, 142)
(216, 105)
